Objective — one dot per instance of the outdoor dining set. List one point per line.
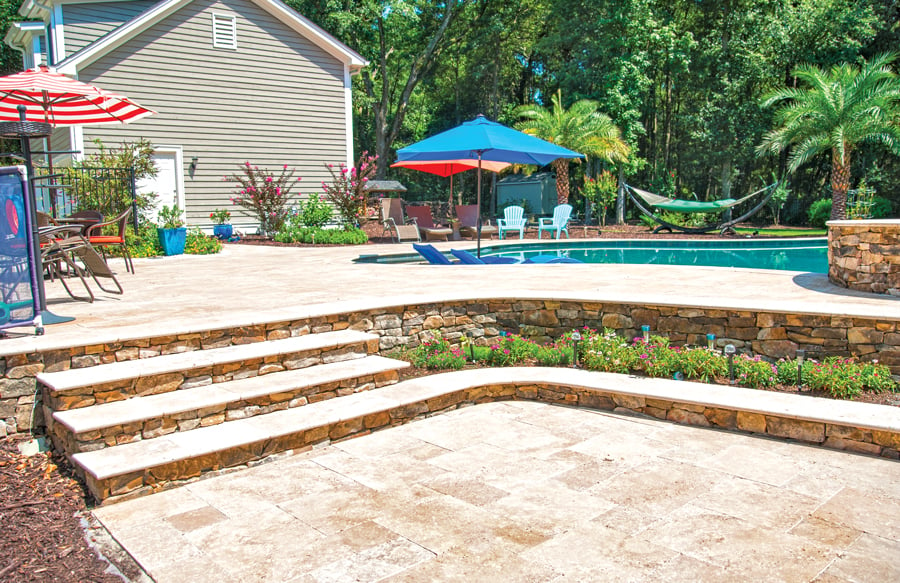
(75, 246)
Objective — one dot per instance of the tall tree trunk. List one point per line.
(840, 183)
(561, 165)
(620, 198)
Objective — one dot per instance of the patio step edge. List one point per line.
(145, 408)
(72, 379)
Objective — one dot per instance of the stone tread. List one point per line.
(168, 363)
(123, 459)
(139, 409)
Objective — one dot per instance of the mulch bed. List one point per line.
(40, 503)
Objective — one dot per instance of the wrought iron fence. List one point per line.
(108, 190)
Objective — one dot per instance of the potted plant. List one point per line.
(171, 232)
(222, 228)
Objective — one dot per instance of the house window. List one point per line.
(224, 31)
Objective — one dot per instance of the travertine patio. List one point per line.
(521, 491)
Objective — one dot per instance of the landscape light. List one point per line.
(711, 341)
(471, 336)
(801, 356)
(576, 338)
(729, 352)
(645, 330)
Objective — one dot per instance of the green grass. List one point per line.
(776, 232)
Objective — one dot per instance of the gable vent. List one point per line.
(224, 31)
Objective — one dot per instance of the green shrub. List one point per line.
(608, 353)
(198, 243)
(315, 236)
(511, 349)
(144, 243)
(819, 212)
(881, 208)
(312, 212)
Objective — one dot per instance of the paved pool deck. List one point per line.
(523, 491)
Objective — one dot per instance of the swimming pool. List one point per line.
(808, 254)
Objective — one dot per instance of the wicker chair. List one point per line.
(97, 239)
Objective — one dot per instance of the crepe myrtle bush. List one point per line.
(264, 194)
(347, 190)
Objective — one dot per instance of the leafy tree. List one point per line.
(580, 128)
(838, 109)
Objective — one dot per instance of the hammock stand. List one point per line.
(689, 206)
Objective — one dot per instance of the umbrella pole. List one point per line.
(478, 207)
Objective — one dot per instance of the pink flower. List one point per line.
(268, 179)
(285, 166)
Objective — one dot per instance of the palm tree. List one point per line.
(580, 128)
(837, 109)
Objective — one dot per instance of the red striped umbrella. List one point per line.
(58, 100)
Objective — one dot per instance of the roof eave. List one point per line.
(18, 31)
(35, 9)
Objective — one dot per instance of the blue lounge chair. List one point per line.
(559, 222)
(467, 258)
(432, 255)
(513, 220)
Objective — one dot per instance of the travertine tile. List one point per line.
(859, 509)
(870, 558)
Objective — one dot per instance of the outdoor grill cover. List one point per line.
(17, 301)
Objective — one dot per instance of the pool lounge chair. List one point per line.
(427, 229)
(432, 255)
(513, 220)
(559, 222)
(468, 222)
(393, 223)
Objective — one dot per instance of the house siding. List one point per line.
(277, 99)
(85, 23)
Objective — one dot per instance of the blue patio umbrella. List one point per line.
(481, 139)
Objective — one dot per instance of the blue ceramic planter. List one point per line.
(172, 240)
(223, 232)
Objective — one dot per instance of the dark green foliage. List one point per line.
(351, 236)
(312, 212)
(819, 212)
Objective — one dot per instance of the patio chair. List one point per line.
(468, 222)
(559, 222)
(392, 220)
(97, 239)
(422, 216)
(65, 245)
(432, 255)
(513, 220)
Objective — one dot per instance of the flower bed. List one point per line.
(836, 377)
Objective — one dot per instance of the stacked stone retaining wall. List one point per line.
(865, 255)
(771, 334)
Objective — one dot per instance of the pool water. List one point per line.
(808, 254)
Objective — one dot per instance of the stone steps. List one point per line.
(109, 424)
(150, 465)
(84, 387)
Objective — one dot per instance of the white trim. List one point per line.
(107, 43)
(76, 139)
(59, 35)
(348, 115)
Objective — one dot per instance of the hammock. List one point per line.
(690, 206)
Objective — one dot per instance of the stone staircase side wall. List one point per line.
(771, 334)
